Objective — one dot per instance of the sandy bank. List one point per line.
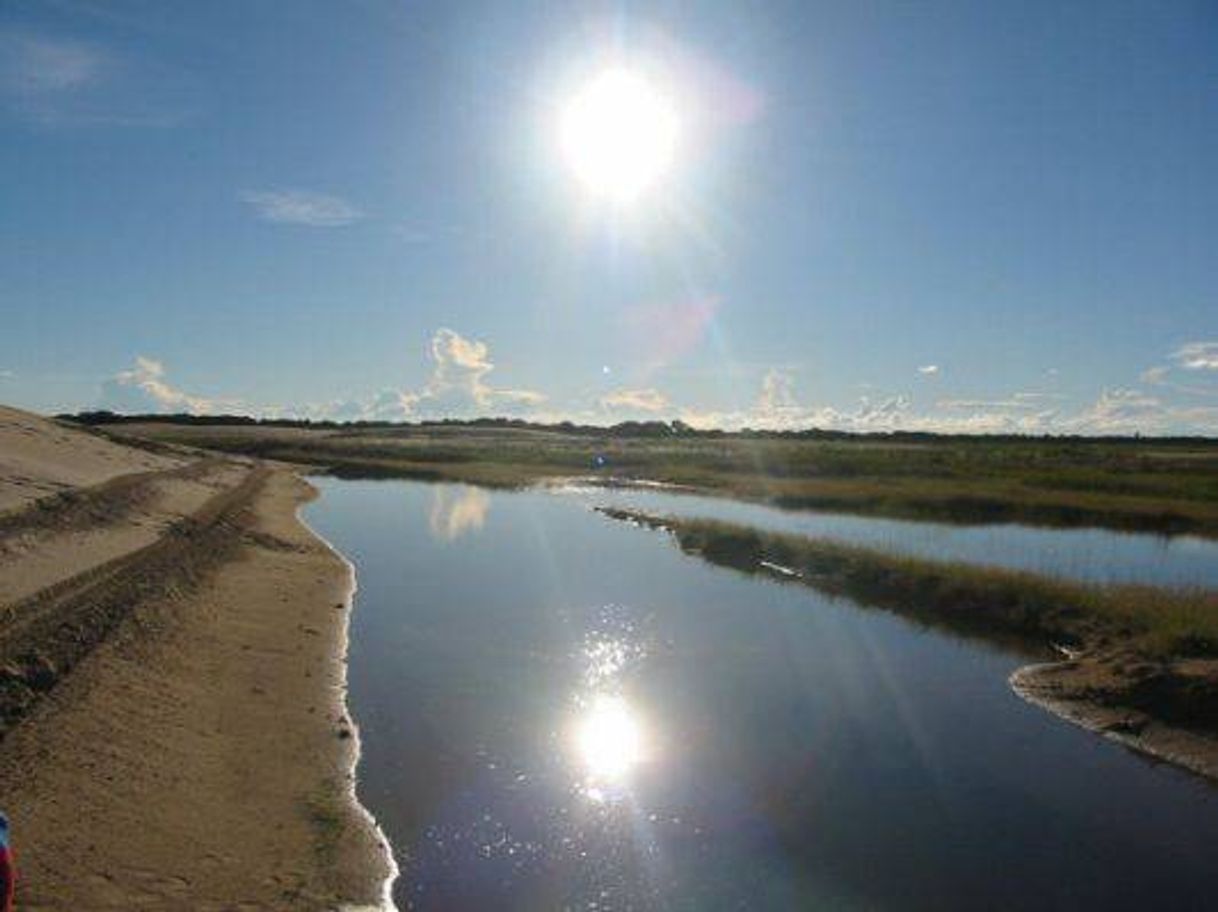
(200, 757)
(1092, 695)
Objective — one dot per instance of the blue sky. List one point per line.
(945, 215)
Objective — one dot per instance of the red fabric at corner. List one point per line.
(8, 880)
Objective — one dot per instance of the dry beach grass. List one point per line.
(1169, 487)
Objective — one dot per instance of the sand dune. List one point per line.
(39, 457)
(172, 683)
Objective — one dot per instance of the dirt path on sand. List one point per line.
(198, 756)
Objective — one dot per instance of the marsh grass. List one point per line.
(1169, 488)
(976, 599)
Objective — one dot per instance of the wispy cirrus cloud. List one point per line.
(143, 388)
(36, 65)
(302, 207)
(52, 81)
(1021, 400)
(42, 79)
(635, 400)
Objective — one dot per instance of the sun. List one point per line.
(618, 134)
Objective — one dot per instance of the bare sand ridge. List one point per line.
(171, 677)
(40, 457)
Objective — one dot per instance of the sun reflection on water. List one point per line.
(609, 738)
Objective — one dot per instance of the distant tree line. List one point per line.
(624, 429)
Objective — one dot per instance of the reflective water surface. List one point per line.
(563, 712)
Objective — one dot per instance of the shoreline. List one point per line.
(1047, 685)
(342, 660)
(201, 756)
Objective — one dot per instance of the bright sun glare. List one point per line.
(618, 134)
(608, 738)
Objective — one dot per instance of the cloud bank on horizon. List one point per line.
(459, 387)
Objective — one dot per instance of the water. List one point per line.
(560, 711)
(1095, 555)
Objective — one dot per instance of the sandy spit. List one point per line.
(202, 757)
(1073, 691)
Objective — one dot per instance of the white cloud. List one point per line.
(458, 381)
(776, 403)
(143, 388)
(1197, 356)
(928, 370)
(391, 405)
(299, 207)
(7, 374)
(777, 408)
(460, 386)
(645, 400)
(777, 391)
(1120, 411)
(457, 388)
(1115, 411)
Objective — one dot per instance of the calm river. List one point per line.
(559, 711)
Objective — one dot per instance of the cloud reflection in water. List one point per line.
(456, 510)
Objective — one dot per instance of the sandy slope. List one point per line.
(199, 757)
(39, 457)
(43, 553)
